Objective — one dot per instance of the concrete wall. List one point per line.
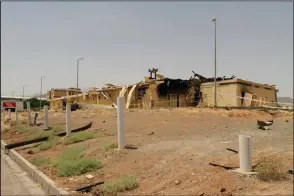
(207, 90)
(227, 91)
(260, 92)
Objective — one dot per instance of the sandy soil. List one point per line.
(183, 143)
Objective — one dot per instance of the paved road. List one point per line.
(14, 181)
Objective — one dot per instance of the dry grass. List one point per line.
(109, 145)
(79, 137)
(57, 129)
(124, 183)
(4, 129)
(41, 161)
(71, 162)
(270, 168)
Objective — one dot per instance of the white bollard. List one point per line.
(120, 122)
(245, 153)
(46, 118)
(68, 128)
(29, 113)
(9, 114)
(16, 116)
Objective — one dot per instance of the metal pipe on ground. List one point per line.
(120, 122)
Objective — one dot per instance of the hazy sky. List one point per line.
(120, 41)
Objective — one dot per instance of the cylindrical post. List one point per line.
(16, 116)
(120, 122)
(68, 128)
(29, 113)
(45, 117)
(245, 153)
(2, 114)
(9, 114)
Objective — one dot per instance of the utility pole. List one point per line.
(78, 62)
(214, 102)
(41, 91)
(23, 87)
(12, 94)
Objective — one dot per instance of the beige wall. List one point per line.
(264, 93)
(208, 95)
(226, 93)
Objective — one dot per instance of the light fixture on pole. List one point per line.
(214, 97)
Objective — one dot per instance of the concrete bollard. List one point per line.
(9, 114)
(120, 122)
(16, 116)
(29, 113)
(68, 127)
(45, 118)
(245, 153)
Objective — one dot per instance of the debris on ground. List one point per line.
(232, 150)
(222, 166)
(264, 125)
(177, 182)
(89, 176)
(151, 133)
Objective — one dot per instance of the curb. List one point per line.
(46, 183)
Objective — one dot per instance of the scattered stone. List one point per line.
(200, 194)
(152, 133)
(104, 121)
(193, 174)
(30, 152)
(286, 120)
(223, 190)
(177, 182)
(89, 176)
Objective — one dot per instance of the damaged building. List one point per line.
(157, 91)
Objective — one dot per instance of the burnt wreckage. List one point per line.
(190, 87)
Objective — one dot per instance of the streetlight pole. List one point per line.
(23, 87)
(12, 93)
(41, 90)
(214, 102)
(78, 62)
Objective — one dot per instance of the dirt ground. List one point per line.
(177, 145)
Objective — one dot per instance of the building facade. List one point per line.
(164, 92)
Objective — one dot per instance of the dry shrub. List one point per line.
(109, 145)
(124, 183)
(270, 168)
